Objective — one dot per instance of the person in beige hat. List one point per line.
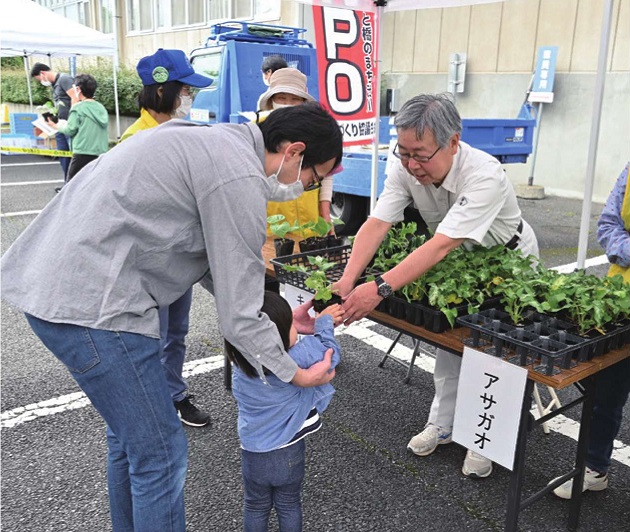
(287, 86)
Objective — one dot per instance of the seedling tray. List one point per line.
(339, 255)
(435, 320)
(548, 348)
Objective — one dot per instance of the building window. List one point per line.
(106, 14)
(147, 15)
(244, 10)
(140, 15)
(76, 10)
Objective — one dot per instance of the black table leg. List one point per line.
(589, 385)
(516, 478)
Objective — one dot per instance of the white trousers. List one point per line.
(445, 377)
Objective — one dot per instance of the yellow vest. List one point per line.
(146, 121)
(615, 269)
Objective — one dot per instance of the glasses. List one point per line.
(317, 181)
(404, 157)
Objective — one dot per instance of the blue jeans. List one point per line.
(613, 387)
(173, 330)
(63, 144)
(273, 479)
(147, 450)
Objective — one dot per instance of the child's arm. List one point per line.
(325, 333)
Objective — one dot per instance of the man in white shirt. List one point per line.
(465, 198)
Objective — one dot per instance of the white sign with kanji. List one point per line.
(488, 410)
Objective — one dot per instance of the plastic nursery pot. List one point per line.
(312, 243)
(52, 117)
(333, 241)
(319, 305)
(284, 246)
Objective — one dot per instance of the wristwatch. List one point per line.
(384, 290)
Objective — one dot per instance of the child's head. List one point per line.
(280, 313)
(86, 84)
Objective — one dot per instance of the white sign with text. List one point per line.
(296, 296)
(489, 402)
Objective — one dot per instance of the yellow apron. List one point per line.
(615, 269)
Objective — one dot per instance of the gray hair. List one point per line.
(430, 112)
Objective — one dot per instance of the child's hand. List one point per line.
(336, 311)
(303, 321)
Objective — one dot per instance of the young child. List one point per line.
(275, 416)
(87, 125)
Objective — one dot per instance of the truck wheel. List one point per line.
(351, 210)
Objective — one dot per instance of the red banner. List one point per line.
(346, 58)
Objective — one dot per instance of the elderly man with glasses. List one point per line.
(465, 198)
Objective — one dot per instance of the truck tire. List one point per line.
(351, 210)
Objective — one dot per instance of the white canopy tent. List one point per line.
(26, 29)
(380, 6)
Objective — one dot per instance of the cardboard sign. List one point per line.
(488, 410)
(346, 55)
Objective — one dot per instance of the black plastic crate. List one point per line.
(339, 255)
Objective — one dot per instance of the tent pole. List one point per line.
(592, 148)
(115, 66)
(28, 80)
(377, 103)
(116, 104)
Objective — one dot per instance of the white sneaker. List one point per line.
(424, 443)
(476, 466)
(593, 481)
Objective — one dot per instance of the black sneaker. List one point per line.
(190, 414)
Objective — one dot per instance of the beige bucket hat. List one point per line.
(289, 80)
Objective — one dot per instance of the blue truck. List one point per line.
(232, 56)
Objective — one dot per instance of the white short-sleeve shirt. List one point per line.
(475, 201)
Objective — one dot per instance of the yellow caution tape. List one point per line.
(37, 151)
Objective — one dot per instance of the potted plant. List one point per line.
(321, 239)
(317, 281)
(49, 111)
(279, 227)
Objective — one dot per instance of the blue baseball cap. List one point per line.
(169, 65)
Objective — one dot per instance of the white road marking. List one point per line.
(30, 164)
(22, 414)
(21, 184)
(595, 261)
(360, 330)
(21, 213)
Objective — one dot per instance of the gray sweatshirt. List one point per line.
(142, 225)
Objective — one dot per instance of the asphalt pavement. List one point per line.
(360, 477)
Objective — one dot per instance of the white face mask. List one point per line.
(275, 105)
(45, 83)
(281, 192)
(185, 105)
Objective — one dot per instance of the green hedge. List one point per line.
(15, 89)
